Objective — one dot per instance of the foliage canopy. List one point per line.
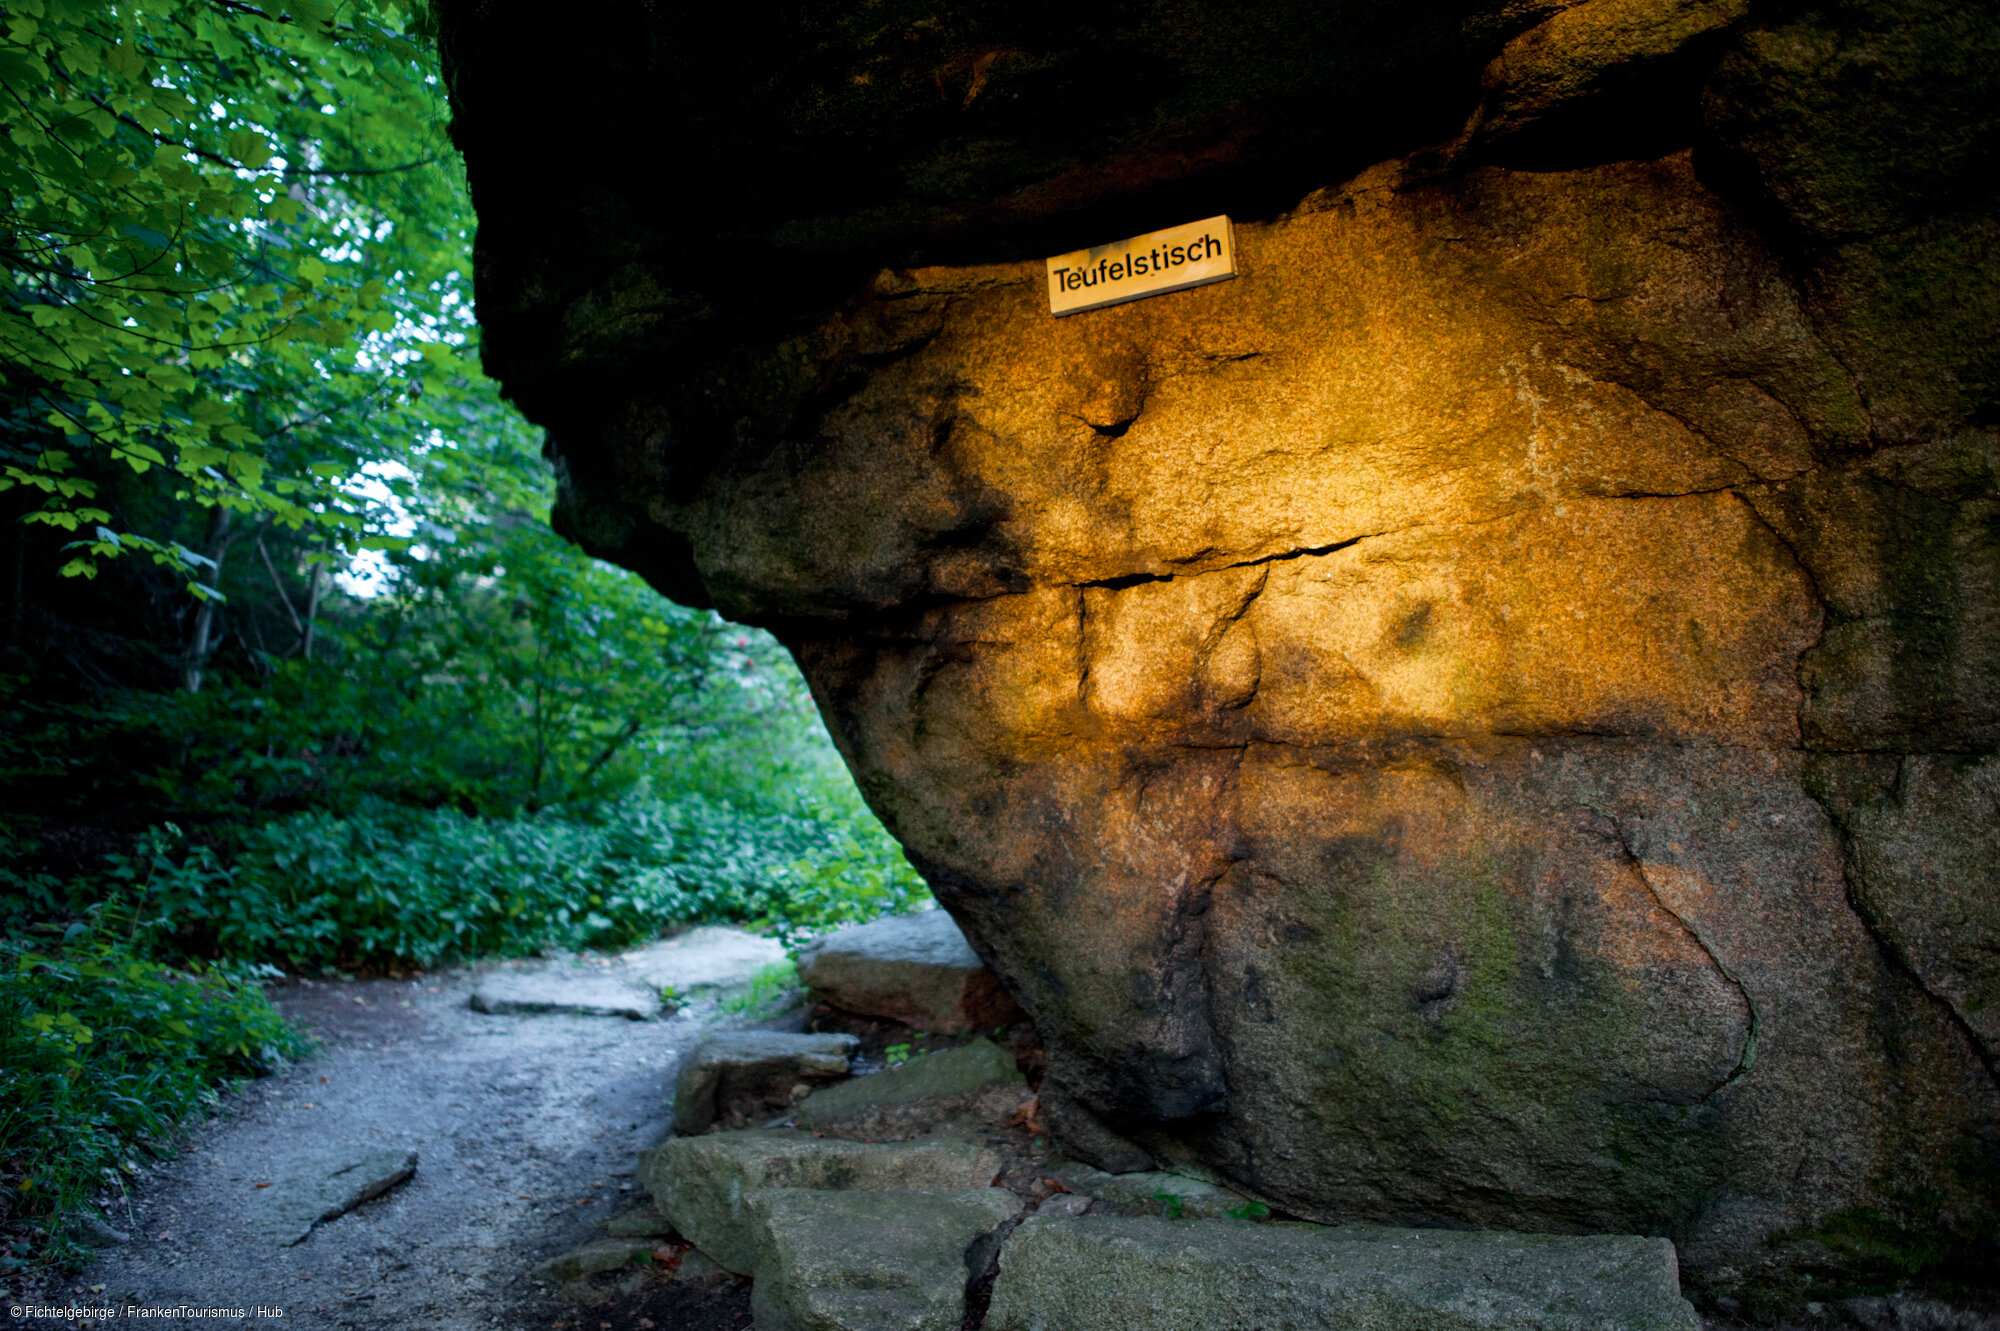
(234, 252)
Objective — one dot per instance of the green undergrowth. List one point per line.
(387, 887)
(771, 991)
(102, 1054)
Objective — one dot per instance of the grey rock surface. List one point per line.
(740, 1073)
(710, 957)
(932, 1085)
(642, 1221)
(630, 985)
(567, 991)
(916, 969)
(1140, 1194)
(320, 1185)
(1236, 1275)
(1065, 1205)
(700, 1182)
(868, 1261)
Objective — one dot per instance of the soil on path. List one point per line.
(525, 1127)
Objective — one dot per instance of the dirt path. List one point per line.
(525, 1128)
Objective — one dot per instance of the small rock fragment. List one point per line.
(1064, 1205)
(916, 969)
(1148, 1193)
(747, 1075)
(94, 1229)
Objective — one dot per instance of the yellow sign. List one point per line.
(1150, 265)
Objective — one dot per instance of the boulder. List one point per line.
(1486, 717)
(978, 1082)
(743, 1075)
(868, 1261)
(700, 1182)
(917, 969)
(1236, 1275)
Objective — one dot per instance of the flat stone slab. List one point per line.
(577, 993)
(322, 1185)
(631, 985)
(1170, 1275)
(867, 1261)
(1140, 1194)
(711, 957)
(742, 1074)
(917, 969)
(699, 1183)
(938, 1083)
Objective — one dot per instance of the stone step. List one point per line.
(977, 1080)
(701, 1183)
(1143, 1274)
(917, 969)
(754, 1074)
(867, 1261)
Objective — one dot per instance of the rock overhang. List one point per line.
(1420, 725)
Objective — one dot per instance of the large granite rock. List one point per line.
(700, 1183)
(917, 969)
(1168, 1275)
(1487, 717)
(868, 1261)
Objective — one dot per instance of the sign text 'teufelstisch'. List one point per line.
(1150, 265)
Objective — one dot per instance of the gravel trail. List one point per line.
(525, 1128)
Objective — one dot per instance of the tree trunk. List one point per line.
(312, 609)
(201, 637)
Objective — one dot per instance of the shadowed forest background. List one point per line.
(293, 672)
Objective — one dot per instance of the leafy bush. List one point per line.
(389, 886)
(101, 1049)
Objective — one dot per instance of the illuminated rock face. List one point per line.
(1487, 717)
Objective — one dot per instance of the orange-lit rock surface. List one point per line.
(1488, 717)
